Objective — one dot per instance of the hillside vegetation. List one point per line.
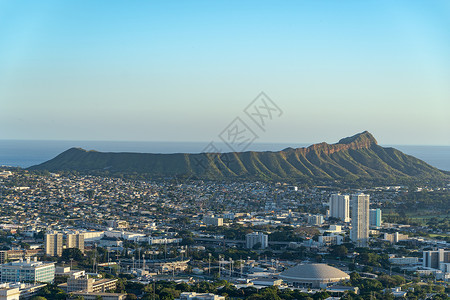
(354, 158)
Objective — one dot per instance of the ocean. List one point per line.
(26, 153)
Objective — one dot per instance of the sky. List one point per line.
(184, 70)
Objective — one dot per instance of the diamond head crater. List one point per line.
(358, 158)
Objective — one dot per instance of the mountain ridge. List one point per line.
(358, 157)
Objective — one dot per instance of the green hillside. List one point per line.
(354, 158)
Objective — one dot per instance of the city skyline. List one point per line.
(182, 71)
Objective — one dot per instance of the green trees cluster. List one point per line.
(370, 258)
(285, 234)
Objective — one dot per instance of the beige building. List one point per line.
(396, 237)
(104, 296)
(360, 220)
(9, 293)
(75, 240)
(54, 244)
(89, 285)
(16, 291)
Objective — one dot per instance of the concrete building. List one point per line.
(251, 239)
(396, 237)
(16, 291)
(22, 253)
(28, 271)
(211, 220)
(154, 240)
(229, 216)
(340, 207)
(200, 296)
(75, 240)
(436, 259)
(9, 293)
(330, 240)
(117, 224)
(103, 296)
(360, 220)
(87, 284)
(375, 217)
(53, 244)
(404, 260)
(315, 219)
(90, 236)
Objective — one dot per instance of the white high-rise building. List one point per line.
(340, 207)
(360, 220)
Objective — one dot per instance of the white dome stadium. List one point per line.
(313, 275)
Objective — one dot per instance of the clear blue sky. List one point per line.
(182, 70)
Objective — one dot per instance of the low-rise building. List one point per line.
(9, 293)
(28, 271)
(16, 291)
(200, 296)
(103, 296)
(396, 237)
(404, 260)
(87, 284)
(330, 240)
(214, 221)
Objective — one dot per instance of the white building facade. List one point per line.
(340, 207)
(359, 233)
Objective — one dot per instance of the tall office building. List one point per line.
(75, 240)
(340, 207)
(375, 217)
(360, 220)
(53, 244)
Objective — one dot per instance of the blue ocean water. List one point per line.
(26, 153)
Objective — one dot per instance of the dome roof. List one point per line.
(314, 272)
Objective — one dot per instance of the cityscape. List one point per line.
(224, 150)
(89, 236)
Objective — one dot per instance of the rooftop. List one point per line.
(314, 272)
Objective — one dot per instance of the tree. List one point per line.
(38, 298)
(339, 251)
(257, 246)
(73, 253)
